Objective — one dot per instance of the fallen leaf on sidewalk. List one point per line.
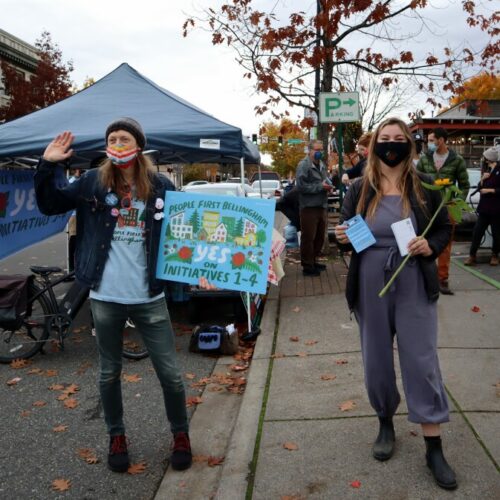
(238, 368)
(475, 309)
(277, 355)
(291, 497)
(138, 468)
(215, 388)
(60, 428)
(62, 397)
(71, 403)
(51, 373)
(13, 381)
(199, 458)
(19, 363)
(71, 389)
(296, 309)
(39, 404)
(56, 387)
(290, 446)
(341, 362)
(132, 378)
(85, 453)
(213, 461)
(35, 371)
(356, 484)
(347, 405)
(25, 413)
(310, 342)
(294, 338)
(328, 376)
(193, 400)
(92, 460)
(61, 484)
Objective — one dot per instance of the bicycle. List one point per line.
(45, 315)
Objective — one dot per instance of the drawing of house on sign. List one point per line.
(249, 227)
(179, 229)
(220, 234)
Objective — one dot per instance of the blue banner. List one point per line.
(21, 223)
(226, 240)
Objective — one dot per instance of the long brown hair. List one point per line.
(111, 177)
(373, 175)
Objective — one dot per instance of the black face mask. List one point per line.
(392, 153)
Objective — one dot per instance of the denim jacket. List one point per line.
(95, 223)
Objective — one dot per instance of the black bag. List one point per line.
(213, 339)
(13, 300)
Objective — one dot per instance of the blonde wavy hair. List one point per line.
(112, 178)
(373, 175)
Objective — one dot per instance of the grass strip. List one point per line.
(477, 274)
(253, 464)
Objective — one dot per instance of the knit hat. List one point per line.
(491, 154)
(129, 125)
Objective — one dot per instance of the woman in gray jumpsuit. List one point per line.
(389, 191)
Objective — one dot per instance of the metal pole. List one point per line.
(249, 313)
(340, 151)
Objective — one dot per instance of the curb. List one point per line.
(240, 451)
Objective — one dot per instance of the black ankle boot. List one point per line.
(442, 472)
(383, 448)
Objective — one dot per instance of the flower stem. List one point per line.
(405, 260)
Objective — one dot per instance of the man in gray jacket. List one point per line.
(313, 188)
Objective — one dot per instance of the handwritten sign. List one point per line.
(21, 223)
(226, 240)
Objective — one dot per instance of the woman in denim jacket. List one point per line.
(119, 207)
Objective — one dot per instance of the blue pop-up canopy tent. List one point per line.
(178, 131)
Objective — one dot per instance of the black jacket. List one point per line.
(438, 237)
(95, 224)
(288, 204)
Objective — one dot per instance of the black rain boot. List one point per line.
(383, 447)
(442, 472)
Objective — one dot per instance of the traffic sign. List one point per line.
(341, 107)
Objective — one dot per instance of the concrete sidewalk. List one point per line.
(305, 392)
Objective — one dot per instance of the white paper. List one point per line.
(404, 232)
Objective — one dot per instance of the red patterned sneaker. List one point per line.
(118, 454)
(181, 457)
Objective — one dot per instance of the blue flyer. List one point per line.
(359, 233)
(226, 240)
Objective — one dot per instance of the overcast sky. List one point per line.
(98, 35)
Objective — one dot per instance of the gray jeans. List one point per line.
(153, 321)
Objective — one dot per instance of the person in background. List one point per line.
(488, 209)
(419, 148)
(119, 209)
(440, 162)
(289, 206)
(358, 169)
(313, 187)
(389, 191)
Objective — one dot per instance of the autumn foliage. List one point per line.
(50, 83)
(483, 86)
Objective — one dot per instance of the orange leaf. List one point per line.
(62, 397)
(239, 381)
(347, 405)
(92, 460)
(71, 389)
(213, 461)
(475, 309)
(56, 387)
(193, 400)
(61, 484)
(138, 468)
(215, 388)
(19, 363)
(39, 404)
(238, 368)
(277, 355)
(328, 376)
(310, 342)
(200, 458)
(85, 452)
(60, 428)
(131, 378)
(290, 446)
(14, 381)
(25, 413)
(35, 371)
(294, 338)
(342, 361)
(356, 484)
(71, 403)
(51, 373)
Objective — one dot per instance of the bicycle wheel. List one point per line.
(28, 339)
(133, 345)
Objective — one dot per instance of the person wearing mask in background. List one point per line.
(119, 209)
(75, 174)
(358, 169)
(488, 209)
(440, 162)
(419, 147)
(389, 191)
(313, 187)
